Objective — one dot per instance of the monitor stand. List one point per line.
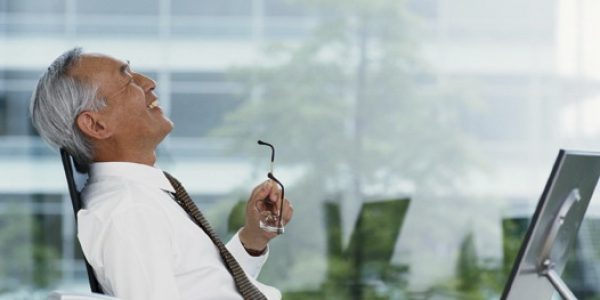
(547, 265)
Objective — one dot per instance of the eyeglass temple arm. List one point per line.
(272, 152)
(270, 175)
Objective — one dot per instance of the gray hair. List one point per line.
(57, 101)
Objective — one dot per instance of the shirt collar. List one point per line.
(143, 174)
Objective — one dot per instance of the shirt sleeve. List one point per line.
(251, 264)
(137, 255)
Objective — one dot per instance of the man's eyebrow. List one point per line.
(124, 67)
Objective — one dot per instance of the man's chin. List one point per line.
(167, 127)
(170, 124)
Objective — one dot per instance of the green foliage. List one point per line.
(27, 261)
(352, 100)
(353, 106)
(237, 216)
(363, 270)
(468, 271)
(513, 231)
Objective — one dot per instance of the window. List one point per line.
(446, 114)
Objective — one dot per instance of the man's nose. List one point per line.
(146, 83)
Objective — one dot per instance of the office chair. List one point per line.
(60, 295)
(75, 181)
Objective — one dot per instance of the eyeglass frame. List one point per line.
(272, 177)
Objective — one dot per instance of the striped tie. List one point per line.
(243, 284)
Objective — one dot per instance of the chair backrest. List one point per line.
(76, 181)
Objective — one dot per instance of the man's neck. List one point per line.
(140, 157)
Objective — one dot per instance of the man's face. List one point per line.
(132, 114)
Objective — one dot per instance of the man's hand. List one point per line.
(252, 236)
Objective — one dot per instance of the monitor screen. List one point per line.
(544, 250)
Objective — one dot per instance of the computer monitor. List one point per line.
(553, 228)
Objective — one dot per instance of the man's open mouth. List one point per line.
(153, 104)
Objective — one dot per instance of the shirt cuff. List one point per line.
(251, 264)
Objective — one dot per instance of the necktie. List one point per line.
(243, 284)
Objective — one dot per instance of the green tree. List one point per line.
(353, 101)
(26, 261)
(355, 107)
(468, 270)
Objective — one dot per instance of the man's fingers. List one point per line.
(288, 211)
(267, 190)
(275, 194)
(262, 190)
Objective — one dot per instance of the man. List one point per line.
(139, 240)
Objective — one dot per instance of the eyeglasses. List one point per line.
(270, 220)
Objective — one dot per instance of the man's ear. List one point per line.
(92, 125)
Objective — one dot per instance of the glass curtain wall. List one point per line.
(414, 137)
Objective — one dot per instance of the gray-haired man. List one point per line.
(141, 243)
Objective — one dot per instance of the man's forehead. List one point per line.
(97, 58)
(91, 64)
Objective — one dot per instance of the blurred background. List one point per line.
(414, 137)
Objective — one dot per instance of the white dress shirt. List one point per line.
(142, 244)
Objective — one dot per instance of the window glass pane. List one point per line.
(17, 110)
(212, 8)
(32, 6)
(196, 115)
(145, 27)
(3, 114)
(32, 17)
(43, 25)
(116, 7)
(30, 235)
(413, 137)
(213, 19)
(283, 8)
(424, 8)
